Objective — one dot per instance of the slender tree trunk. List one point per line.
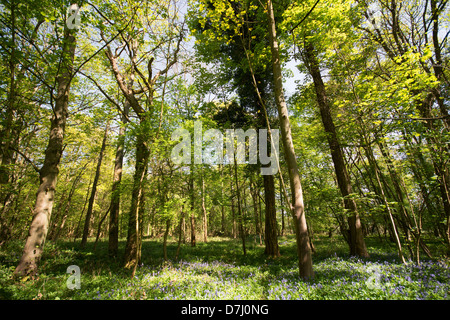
(180, 233)
(301, 228)
(397, 180)
(441, 170)
(133, 238)
(283, 227)
(48, 174)
(113, 241)
(233, 210)
(240, 218)
(94, 189)
(166, 233)
(205, 216)
(254, 194)
(68, 203)
(391, 219)
(99, 228)
(222, 205)
(192, 199)
(86, 200)
(271, 234)
(56, 216)
(357, 243)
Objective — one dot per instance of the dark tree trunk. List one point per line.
(240, 218)
(204, 212)
(357, 243)
(254, 193)
(94, 190)
(133, 238)
(192, 199)
(67, 206)
(271, 234)
(166, 234)
(180, 234)
(113, 241)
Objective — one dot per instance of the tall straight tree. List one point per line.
(141, 100)
(356, 237)
(48, 174)
(235, 71)
(113, 240)
(94, 189)
(297, 206)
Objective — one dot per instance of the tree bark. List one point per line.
(283, 227)
(254, 193)
(357, 243)
(271, 234)
(180, 234)
(132, 248)
(239, 204)
(48, 174)
(133, 238)
(192, 199)
(99, 228)
(205, 216)
(113, 241)
(166, 234)
(94, 190)
(301, 228)
(222, 204)
(67, 206)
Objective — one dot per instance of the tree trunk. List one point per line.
(133, 238)
(282, 210)
(86, 200)
(180, 234)
(205, 216)
(240, 218)
(397, 181)
(233, 210)
(254, 193)
(391, 218)
(48, 174)
(271, 234)
(357, 243)
(56, 217)
(99, 228)
(67, 207)
(113, 241)
(166, 233)
(222, 205)
(301, 228)
(192, 199)
(94, 190)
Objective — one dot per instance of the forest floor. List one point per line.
(219, 270)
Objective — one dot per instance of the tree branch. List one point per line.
(35, 167)
(304, 18)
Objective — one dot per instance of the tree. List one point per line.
(48, 174)
(143, 108)
(297, 206)
(94, 188)
(235, 71)
(357, 244)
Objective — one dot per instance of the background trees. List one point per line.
(94, 108)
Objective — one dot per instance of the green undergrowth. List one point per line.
(219, 270)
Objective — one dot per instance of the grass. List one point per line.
(218, 270)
